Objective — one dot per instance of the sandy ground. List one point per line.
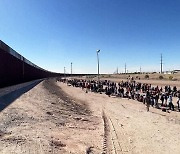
(130, 129)
(46, 120)
(56, 118)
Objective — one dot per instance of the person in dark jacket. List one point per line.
(162, 99)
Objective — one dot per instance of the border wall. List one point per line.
(15, 68)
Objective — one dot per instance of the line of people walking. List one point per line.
(155, 96)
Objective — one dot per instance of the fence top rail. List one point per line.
(11, 51)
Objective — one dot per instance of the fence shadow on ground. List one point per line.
(9, 98)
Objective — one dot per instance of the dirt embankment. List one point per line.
(80, 108)
(47, 120)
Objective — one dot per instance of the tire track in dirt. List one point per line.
(117, 148)
(111, 142)
(105, 138)
(117, 134)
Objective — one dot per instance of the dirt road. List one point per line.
(55, 118)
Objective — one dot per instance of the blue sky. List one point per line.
(54, 33)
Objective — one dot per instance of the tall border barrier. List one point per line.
(15, 68)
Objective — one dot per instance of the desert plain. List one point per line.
(52, 117)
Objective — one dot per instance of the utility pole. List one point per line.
(161, 64)
(71, 68)
(140, 69)
(117, 70)
(64, 72)
(125, 68)
(98, 64)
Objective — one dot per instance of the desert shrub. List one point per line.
(146, 76)
(161, 77)
(170, 77)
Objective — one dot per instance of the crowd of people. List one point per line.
(154, 96)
